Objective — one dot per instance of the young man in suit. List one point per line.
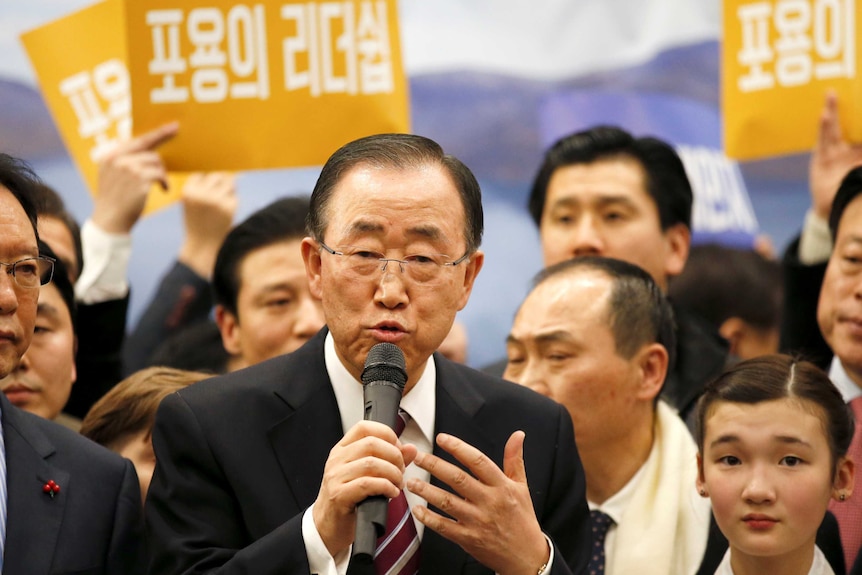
(66, 504)
(261, 470)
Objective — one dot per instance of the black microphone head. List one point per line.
(385, 362)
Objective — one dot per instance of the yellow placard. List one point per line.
(266, 84)
(778, 59)
(80, 63)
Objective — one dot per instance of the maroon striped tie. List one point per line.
(398, 549)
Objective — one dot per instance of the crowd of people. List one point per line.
(662, 407)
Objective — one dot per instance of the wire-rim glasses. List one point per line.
(31, 272)
(363, 263)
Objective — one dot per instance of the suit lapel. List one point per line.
(457, 404)
(33, 518)
(312, 424)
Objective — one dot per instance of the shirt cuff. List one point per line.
(550, 562)
(106, 265)
(815, 243)
(319, 560)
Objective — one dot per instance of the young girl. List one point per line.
(772, 435)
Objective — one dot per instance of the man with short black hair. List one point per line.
(605, 192)
(597, 335)
(392, 252)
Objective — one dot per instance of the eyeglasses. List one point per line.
(31, 272)
(364, 264)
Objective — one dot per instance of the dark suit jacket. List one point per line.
(100, 328)
(182, 298)
(94, 525)
(800, 332)
(241, 457)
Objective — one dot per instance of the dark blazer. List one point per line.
(100, 328)
(241, 457)
(800, 332)
(182, 298)
(94, 525)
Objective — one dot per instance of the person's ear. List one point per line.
(228, 325)
(842, 486)
(678, 244)
(472, 268)
(652, 362)
(312, 259)
(701, 481)
(733, 330)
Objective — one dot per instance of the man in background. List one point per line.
(604, 192)
(596, 335)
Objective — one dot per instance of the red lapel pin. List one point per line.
(51, 488)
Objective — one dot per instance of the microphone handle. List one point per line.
(382, 399)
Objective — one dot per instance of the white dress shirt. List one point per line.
(420, 403)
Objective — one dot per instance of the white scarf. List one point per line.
(666, 524)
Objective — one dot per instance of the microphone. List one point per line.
(383, 379)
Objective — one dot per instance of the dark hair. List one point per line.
(851, 186)
(61, 281)
(280, 221)
(664, 173)
(638, 311)
(780, 376)
(197, 347)
(130, 406)
(398, 151)
(20, 179)
(51, 205)
(721, 282)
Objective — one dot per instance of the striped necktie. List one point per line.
(398, 549)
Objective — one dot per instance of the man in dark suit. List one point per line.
(66, 504)
(260, 471)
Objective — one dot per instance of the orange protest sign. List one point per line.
(265, 84)
(778, 58)
(80, 63)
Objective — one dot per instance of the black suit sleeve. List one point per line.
(127, 552)
(567, 517)
(194, 522)
(100, 328)
(800, 332)
(181, 299)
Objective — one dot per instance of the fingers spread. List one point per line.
(477, 462)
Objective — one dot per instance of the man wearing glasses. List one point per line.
(66, 504)
(42, 381)
(260, 471)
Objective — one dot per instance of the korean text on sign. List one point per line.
(791, 42)
(266, 84)
(779, 58)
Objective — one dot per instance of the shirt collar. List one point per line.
(420, 402)
(848, 388)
